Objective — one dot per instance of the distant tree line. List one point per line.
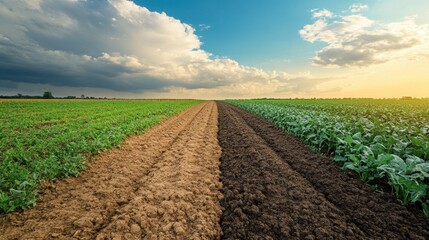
(48, 95)
(20, 96)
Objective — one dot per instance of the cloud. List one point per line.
(355, 40)
(203, 27)
(358, 7)
(301, 84)
(317, 13)
(115, 45)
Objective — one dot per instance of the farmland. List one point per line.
(210, 170)
(385, 140)
(275, 186)
(45, 140)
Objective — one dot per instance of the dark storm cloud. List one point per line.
(100, 44)
(21, 64)
(119, 46)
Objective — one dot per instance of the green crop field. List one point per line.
(45, 140)
(382, 140)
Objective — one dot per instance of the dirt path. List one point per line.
(161, 185)
(275, 188)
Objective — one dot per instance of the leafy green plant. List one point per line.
(45, 140)
(426, 207)
(17, 187)
(371, 137)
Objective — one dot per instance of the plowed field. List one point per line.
(275, 188)
(170, 184)
(161, 185)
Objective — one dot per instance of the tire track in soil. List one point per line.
(161, 185)
(276, 188)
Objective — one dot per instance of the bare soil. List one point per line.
(276, 188)
(164, 184)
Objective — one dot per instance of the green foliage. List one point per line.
(45, 140)
(426, 208)
(386, 140)
(47, 95)
(17, 186)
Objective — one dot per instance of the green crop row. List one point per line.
(45, 140)
(385, 140)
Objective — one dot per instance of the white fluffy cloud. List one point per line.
(355, 40)
(317, 13)
(116, 45)
(358, 7)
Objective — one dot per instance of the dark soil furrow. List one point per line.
(248, 170)
(264, 198)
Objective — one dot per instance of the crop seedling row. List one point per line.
(46, 140)
(385, 140)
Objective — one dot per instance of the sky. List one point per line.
(215, 49)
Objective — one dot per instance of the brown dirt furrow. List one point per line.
(180, 196)
(161, 185)
(376, 215)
